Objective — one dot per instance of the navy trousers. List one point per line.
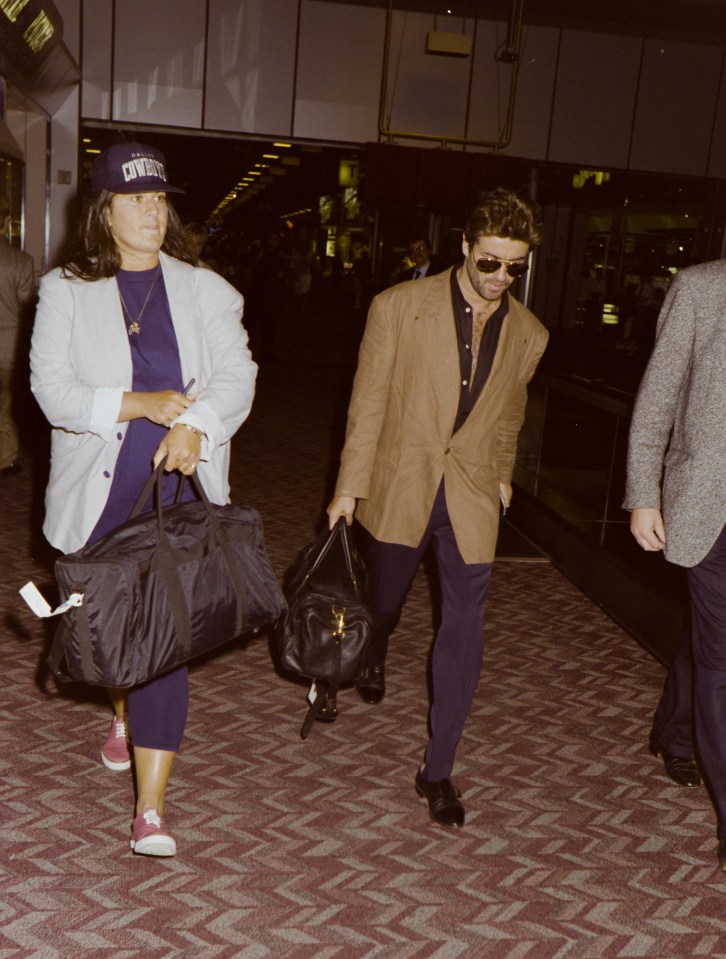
(459, 643)
(673, 721)
(693, 706)
(707, 586)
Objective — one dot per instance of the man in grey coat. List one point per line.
(676, 490)
(17, 290)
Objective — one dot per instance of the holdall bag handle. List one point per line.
(339, 530)
(154, 483)
(171, 577)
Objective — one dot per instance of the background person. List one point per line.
(197, 236)
(17, 291)
(269, 292)
(676, 493)
(119, 332)
(425, 263)
(437, 404)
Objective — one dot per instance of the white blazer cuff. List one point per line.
(209, 441)
(106, 410)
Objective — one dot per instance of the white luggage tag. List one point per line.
(37, 602)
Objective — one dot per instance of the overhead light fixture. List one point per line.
(448, 44)
(282, 146)
(270, 156)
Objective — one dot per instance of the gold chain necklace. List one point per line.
(134, 327)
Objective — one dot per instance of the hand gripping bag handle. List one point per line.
(339, 530)
(170, 573)
(171, 577)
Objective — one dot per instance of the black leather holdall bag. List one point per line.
(163, 588)
(326, 630)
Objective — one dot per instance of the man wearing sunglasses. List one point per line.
(437, 404)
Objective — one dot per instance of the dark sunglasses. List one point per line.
(490, 264)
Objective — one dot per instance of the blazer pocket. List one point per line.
(66, 443)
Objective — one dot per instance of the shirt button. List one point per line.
(447, 450)
(468, 347)
(464, 382)
(468, 309)
(107, 474)
(119, 436)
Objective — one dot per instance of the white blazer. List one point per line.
(81, 366)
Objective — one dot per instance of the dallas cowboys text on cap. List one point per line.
(131, 168)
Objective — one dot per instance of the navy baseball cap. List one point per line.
(131, 168)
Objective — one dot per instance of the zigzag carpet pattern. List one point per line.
(575, 844)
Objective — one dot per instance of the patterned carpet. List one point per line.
(575, 844)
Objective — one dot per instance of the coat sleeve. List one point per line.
(68, 400)
(25, 286)
(513, 416)
(226, 397)
(657, 399)
(368, 402)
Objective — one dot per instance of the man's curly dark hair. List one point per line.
(503, 213)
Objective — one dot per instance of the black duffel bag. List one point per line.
(325, 633)
(163, 588)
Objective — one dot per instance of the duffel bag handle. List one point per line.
(154, 483)
(171, 575)
(323, 546)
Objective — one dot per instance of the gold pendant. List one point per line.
(134, 329)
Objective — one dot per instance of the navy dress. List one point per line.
(156, 367)
(158, 709)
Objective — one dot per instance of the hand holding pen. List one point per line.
(182, 444)
(165, 406)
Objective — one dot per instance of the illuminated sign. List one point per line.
(29, 30)
(582, 176)
(348, 173)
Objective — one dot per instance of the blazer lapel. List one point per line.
(107, 332)
(182, 304)
(438, 335)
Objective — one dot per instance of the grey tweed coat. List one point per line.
(677, 446)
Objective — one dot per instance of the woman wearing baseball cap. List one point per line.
(121, 331)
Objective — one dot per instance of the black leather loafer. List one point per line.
(444, 799)
(683, 771)
(371, 684)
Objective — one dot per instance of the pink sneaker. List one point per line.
(149, 836)
(115, 753)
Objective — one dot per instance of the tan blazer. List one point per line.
(399, 441)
